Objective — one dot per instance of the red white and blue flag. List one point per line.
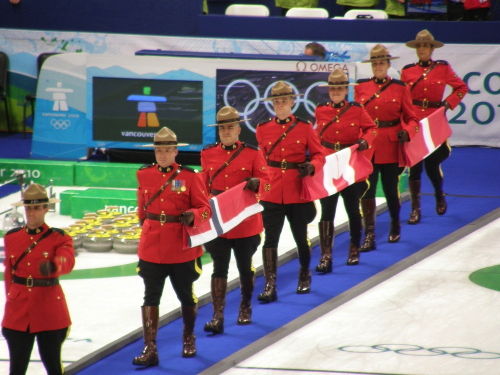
(341, 169)
(434, 131)
(228, 210)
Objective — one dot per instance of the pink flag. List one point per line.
(341, 169)
(228, 210)
(434, 131)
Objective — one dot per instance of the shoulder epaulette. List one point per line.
(265, 121)
(60, 231)
(323, 104)
(302, 120)
(147, 166)
(248, 145)
(441, 62)
(209, 146)
(189, 169)
(399, 82)
(363, 80)
(14, 230)
(409, 66)
(355, 104)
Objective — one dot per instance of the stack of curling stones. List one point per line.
(106, 230)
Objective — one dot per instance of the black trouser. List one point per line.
(182, 276)
(244, 249)
(432, 167)
(49, 346)
(390, 179)
(351, 196)
(298, 215)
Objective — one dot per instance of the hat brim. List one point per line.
(230, 122)
(269, 98)
(338, 85)
(176, 145)
(21, 203)
(434, 43)
(379, 59)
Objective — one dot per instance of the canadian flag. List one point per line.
(341, 169)
(434, 131)
(228, 210)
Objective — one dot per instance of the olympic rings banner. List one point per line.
(476, 121)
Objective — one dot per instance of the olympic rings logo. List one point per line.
(420, 351)
(60, 124)
(253, 104)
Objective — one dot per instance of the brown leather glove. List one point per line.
(47, 267)
(253, 184)
(363, 145)
(403, 136)
(306, 169)
(187, 218)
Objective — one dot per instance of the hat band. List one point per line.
(381, 57)
(36, 201)
(284, 94)
(339, 83)
(221, 122)
(165, 143)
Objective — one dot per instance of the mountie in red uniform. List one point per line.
(248, 163)
(161, 240)
(31, 307)
(427, 82)
(391, 110)
(339, 127)
(285, 184)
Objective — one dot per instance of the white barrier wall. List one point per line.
(475, 122)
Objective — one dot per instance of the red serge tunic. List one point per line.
(248, 163)
(163, 243)
(37, 308)
(430, 89)
(392, 104)
(353, 124)
(301, 143)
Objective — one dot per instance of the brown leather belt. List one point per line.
(163, 218)
(427, 104)
(387, 124)
(30, 282)
(337, 146)
(283, 164)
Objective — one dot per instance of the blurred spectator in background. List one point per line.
(476, 10)
(315, 49)
(395, 8)
(287, 4)
(455, 10)
(357, 4)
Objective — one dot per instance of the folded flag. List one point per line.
(228, 210)
(434, 131)
(341, 169)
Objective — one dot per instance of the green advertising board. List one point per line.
(40, 171)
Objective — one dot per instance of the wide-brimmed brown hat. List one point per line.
(281, 89)
(33, 195)
(338, 78)
(165, 137)
(380, 52)
(424, 36)
(228, 115)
